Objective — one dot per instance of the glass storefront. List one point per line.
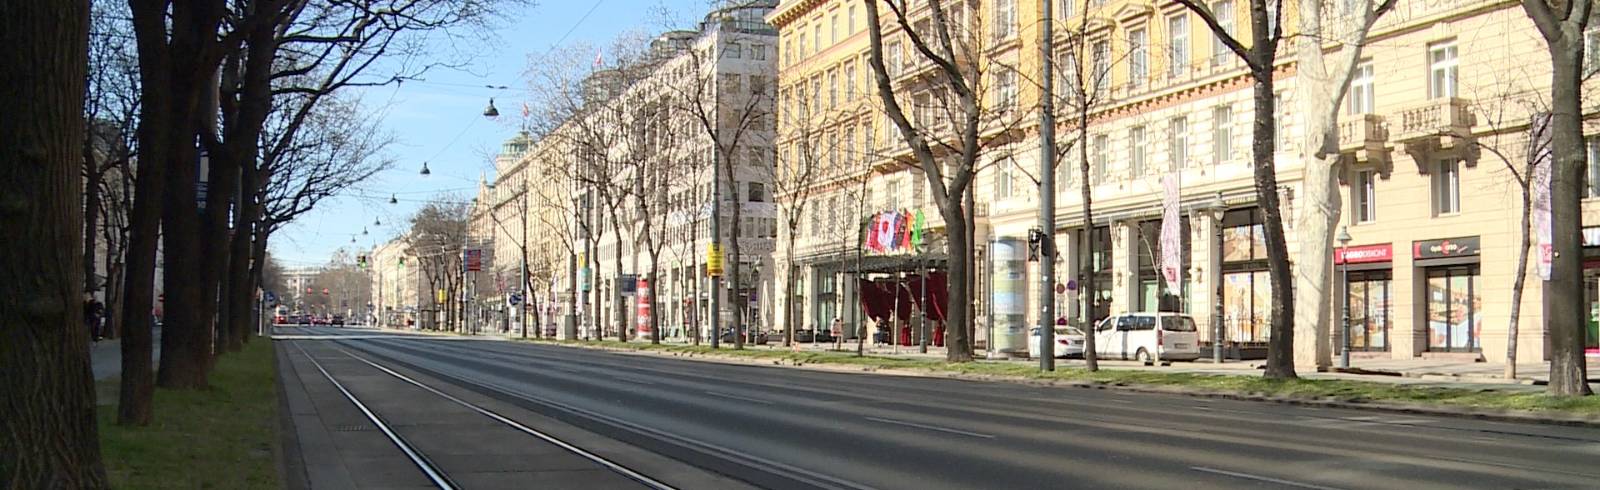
(1246, 286)
(1100, 265)
(1455, 309)
(1369, 295)
(1152, 289)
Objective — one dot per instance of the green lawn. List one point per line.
(222, 437)
(1487, 398)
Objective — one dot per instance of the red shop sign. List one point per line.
(1364, 254)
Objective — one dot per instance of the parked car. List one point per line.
(823, 337)
(337, 320)
(1069, 342)
(280, 319)
(1147, 337)
(752, 336)
(803, 335)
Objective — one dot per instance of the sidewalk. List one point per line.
(105, 357)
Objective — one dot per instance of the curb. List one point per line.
(1520, 416)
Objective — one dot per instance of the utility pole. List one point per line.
(1047, 191)
(522, 277)
(716, 240)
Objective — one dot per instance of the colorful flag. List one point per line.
(916, 230)
(1539, 154)
(1171, 237)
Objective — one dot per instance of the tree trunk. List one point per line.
(788, 293)
(1520, 278)
(960, 298)
(1280, 346)
(185, 345)
(241, 288)
(1564, 291)
(91, 208)
(47, 415)
(1086, 271)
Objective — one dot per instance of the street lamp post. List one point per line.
(1344, 274)
(1217, 208)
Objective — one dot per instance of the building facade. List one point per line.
(1442, 90)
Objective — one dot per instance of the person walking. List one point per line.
(92, 312)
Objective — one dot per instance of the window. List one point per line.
(1591, 52)
(756, 192)
(850, 25)
(1453, 308)
(758, 84)
(1138, 58)
(1223, 10)
(733, 51)
(1363, 205)
(788, 53)
(849, 142)
(1006, 88)
(1177, 143)
(833, 30)
(1102, 66)
(1178, 44)
(1005, 18)
(730, 82)
(1368, 295)
(816, 34)
(758, 52)
(1447, 187)
(816, 93)
(1221, 134)
(833, 88)
(801, 54)
(850, 82)
(894, 55)
(1136, 149)
(1101, 143)
(1003, 180)
(1442, 65)
(1067, 8)
(891, 194)
(1361, 96)
(1594, 167)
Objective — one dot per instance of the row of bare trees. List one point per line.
(196, 129)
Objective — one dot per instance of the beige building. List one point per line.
(635, 135)
(397, 289)
(1442, 89)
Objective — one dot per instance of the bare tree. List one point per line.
(795, 178)
(1321, 90)
(437, 237)
(47, 421)
(1261, 59)
(965, 102)
(1563, 23)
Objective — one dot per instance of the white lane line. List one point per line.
(636, 476)
(631, 380)
(1267, 479)
(433, 474)
(1119, 400)
(737, 397)
(931, 427)
(1202, 408)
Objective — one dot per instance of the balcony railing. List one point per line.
(1365, 132)
(1435, 117)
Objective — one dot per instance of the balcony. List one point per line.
(1435, 129)
(1364, 139)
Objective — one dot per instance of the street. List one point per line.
(792, 428)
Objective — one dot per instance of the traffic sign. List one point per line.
(514, 299)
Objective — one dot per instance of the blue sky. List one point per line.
(439, 120)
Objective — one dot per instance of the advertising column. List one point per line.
(644, 309)
(1010, 279)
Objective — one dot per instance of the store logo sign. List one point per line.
(1364, 254)
(1449, 247)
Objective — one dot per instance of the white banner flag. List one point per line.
(1539, 183)
(1171, 235)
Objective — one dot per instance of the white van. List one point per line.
(1147, 337)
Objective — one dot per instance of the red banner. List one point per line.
(643, 293)
(474, 259)
(1364, 254)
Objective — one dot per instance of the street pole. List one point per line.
(1216, 275)
(716, 241)
(922, 318)
(522, 282)
(1047, 191)
(1344, 274)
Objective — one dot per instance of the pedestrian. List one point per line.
(837, 331)
(91, 317)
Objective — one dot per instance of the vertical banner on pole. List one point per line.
(644, 308)
(1539, 154)
(1171, 234)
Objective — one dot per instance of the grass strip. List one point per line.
(220, 437)
(1488, 398)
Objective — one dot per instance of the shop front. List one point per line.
(1153, 293)
(1591, 287)
(1246, 285)
(1453, 305)
(1368, 294)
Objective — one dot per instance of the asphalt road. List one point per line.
(791, 428)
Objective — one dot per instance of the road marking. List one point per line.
(1267, 479)
(737, 397)
(625, 471)
(1198, 407)
(1119, 400)
(631, 380)
(931, 427)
